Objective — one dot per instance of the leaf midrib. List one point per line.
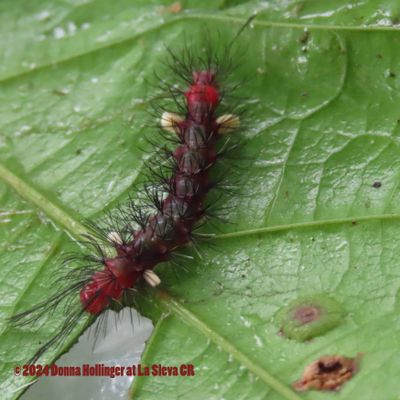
(188, 317)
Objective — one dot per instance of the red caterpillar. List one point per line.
(140, 239)
(172, 225)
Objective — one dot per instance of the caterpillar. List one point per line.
(126, 246)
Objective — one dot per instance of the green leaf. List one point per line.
(319, 212)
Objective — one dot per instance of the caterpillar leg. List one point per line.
(151, 278)
(228, 123)
(114, 238)
(170, 121)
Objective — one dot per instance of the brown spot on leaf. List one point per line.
(174, 8)
(377, 184)
(327, 373)
(307, 314)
